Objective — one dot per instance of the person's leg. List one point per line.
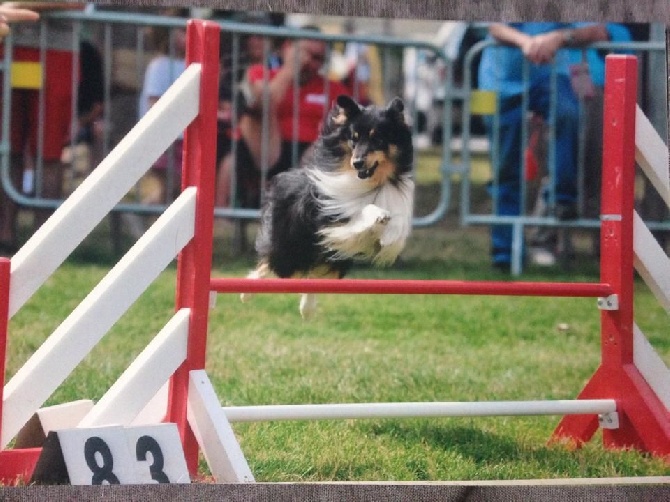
(22, 102)
(567, 145)
(52, 188)
(9, 209)
(505, 189)
(247, 189)
(263, 139)
(566, 141)
(593, 153)
(18, 135)
(593, 160)
(224, 180)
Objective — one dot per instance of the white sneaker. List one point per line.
(542, 256)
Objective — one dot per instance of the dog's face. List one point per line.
(378, 141)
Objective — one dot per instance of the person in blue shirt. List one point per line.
(595, 58)
(162, 183)
(546, 242)
(502, 70)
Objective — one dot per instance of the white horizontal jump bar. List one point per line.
(417, 409)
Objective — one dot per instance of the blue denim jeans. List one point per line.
(507, 192)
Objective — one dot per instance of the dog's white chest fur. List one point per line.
(375, 221)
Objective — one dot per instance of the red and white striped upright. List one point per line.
(644, 421)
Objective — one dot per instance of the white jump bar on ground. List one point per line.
(419, 409)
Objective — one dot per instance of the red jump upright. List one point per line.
(644, 422)
(195, 261)
(14, 464)
(643, 419)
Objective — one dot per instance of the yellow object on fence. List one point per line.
(483, 102)
(26, 75)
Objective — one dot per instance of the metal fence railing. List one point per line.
(384, 67)
(119, 41)
(538, 142)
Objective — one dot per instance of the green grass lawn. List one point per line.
(367, 348)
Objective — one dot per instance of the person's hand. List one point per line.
(297, 55)
(10, 13)
(540, 49)
(305, 56)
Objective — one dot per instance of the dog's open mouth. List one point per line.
(365, 173)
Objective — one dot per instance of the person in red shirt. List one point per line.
(284, 122)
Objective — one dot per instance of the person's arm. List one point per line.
(46, 6)
(283, 78)
(508, 35)
(12, 14)
(542, 48)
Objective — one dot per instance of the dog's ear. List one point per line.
(347, 109)
(395, 109)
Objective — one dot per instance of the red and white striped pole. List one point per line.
(644, 423)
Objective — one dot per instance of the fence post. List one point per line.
(195, 260)
(643, 420)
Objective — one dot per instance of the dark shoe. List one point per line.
(504, 267)
(542, 256)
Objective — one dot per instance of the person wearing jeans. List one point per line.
(502, 70)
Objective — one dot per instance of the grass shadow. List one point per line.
(465, 441)
(489, 455)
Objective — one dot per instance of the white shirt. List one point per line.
(160, 74)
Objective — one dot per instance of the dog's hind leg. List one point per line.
(307, 305)
(261, 271)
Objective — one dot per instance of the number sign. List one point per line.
(113, 455)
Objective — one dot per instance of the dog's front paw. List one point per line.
(383, 219)
(375, 215)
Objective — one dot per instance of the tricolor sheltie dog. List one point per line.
(351, 198)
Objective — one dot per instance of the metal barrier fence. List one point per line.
(537, 170)
(124, 53)
(394, 67)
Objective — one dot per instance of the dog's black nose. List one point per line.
(358, 164)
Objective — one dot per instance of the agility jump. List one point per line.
(629, 395)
